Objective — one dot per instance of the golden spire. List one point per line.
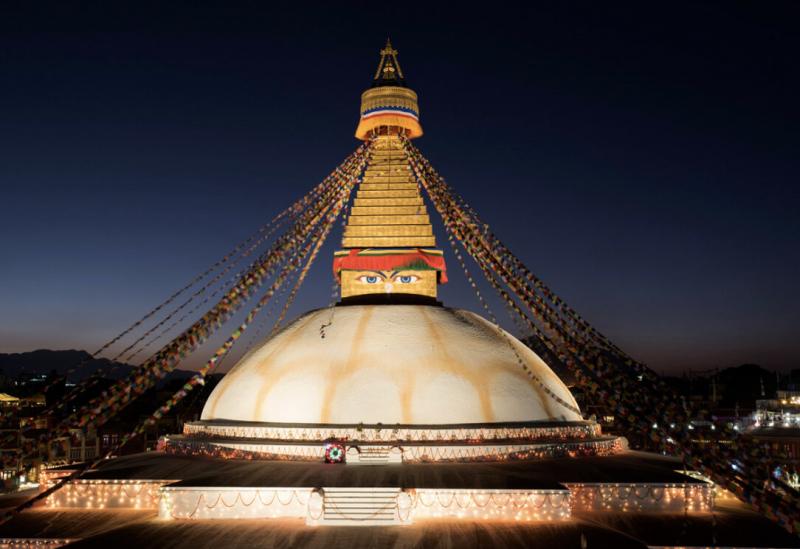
(388, 70)
(388, 241)
(389, 105)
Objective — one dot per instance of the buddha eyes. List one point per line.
(399, 279)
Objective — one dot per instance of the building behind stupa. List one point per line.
(391, 419)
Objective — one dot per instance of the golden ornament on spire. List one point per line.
(389, 105)
(389, 67)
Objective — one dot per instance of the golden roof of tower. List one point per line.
(389, 102)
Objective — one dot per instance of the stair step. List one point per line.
(365, 522)
(388, 230)
(361, 492)
(416, 201)
(419, 219)
(380, 504)
(360, 498)
(389, 242)
(354, 490)
(342, 508)
(354, 506)
(387, 187)
(388, 210)
(361, 504)
(389, 193)
(363, 510)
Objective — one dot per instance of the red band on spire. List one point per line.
(357, 260)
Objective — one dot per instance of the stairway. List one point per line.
(374, 455)
(360, 507)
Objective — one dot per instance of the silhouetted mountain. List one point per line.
(77, 365)
(738, 386)
(743, 385)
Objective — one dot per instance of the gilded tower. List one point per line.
(389, 103)
(389, 247)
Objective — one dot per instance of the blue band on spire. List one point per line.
(390, 110)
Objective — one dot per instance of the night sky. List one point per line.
(641, 159)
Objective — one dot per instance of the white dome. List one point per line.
(390, 364)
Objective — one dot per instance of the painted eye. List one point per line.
(369, 279)
(407, 279)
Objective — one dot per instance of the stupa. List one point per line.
(391, 411)
(394, 376)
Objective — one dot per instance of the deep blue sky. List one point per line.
(642, 159)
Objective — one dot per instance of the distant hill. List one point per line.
(44, 361)
(735, 386)
(745, 384)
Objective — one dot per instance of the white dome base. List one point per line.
(390, 364)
